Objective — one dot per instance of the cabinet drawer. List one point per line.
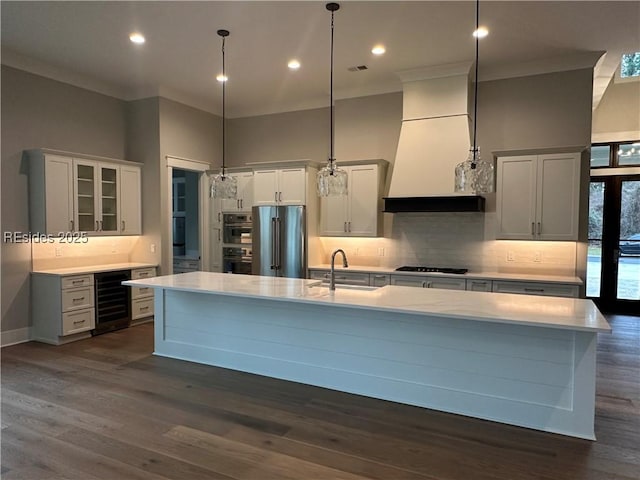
(347, 278)
(77, 281)
(547, 289)
(429, 282)
(141, 292)
(379, 280)
(479, 285)
(77, 298)
(143, 273)
(79, 321)
(141, 308)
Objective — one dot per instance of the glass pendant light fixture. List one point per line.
(222, 185)
(331, 179)
(474, 175)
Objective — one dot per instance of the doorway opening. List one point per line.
(613, 267)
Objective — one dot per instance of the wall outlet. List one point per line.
(381, 251)
(511, 257)
(58, 251)
(152, 247)
(537, 257)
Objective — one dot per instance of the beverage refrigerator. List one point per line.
(279, 241)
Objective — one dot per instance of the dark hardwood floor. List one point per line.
(105, 408)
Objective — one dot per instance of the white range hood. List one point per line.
(434, 138)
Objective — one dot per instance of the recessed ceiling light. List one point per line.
(137, 38)
(293, 64)
(481, 32)
(222, 78)
(378, 50)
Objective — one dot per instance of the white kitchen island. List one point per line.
(516, 359)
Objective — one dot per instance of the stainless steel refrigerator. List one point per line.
(279, 237)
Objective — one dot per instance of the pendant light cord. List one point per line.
(331, 155)
(475, 89)
(224, 81)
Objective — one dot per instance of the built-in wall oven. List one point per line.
(236, 228)
(236, 239)
(236, 260)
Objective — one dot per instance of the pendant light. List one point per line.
(331, 179)
(222, 185)
(474, 175)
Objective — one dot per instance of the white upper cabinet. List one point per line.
(73, 194)
(50, 194)
(280, 186)
(130, 200)
(538, 197)
(357, 214)
(244, 199)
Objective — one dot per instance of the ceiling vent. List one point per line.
(358, 68)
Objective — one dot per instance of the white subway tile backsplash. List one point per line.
(464, 240)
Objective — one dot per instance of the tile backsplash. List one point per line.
(96, 251)
(464, 240)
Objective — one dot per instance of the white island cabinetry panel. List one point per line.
(515, 362)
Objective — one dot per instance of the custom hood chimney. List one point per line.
(434, 138)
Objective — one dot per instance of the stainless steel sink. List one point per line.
(339, 286)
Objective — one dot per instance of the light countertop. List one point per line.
(94, 268)
(552, 312)
(523, 277)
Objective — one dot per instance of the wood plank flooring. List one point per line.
(105, 408)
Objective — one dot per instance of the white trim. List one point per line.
(203, 209)
(13, 337)
(187, 164)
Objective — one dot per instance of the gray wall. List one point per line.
(39, 112)
(143, 145)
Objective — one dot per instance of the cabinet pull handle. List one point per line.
(279, 196)
(218, 216)
(539, 228)
(378, 276)
(275, 196)
(345, 227)
(424, 284)
(349, 226)
(533, 228)
(101, 225)
(78, 322)
(79, 299)
(122, 224)
(534, 289)
(144, 308)
(97, 225)
(71, 225)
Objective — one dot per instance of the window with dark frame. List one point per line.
(615, 154)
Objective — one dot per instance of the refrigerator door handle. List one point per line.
(277, 246)
(273, 243)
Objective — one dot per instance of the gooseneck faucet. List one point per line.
(332, 278)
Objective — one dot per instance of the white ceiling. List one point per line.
(86, 43)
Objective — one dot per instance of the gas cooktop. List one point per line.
(459, 271)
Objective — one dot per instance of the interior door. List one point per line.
(613, 268)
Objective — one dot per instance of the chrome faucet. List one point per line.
(332, 278)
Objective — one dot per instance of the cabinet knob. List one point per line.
(123, 225)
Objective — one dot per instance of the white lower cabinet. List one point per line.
(341, 277)
(428, 281)
(142, 297)
(379, 280)
(535, 288)
(184, 266)
(62, 307)
(479, 285)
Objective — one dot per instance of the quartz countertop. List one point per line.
(523, 277)
(553, 312)
(94, 268)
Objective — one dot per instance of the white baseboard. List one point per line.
(13, 337)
